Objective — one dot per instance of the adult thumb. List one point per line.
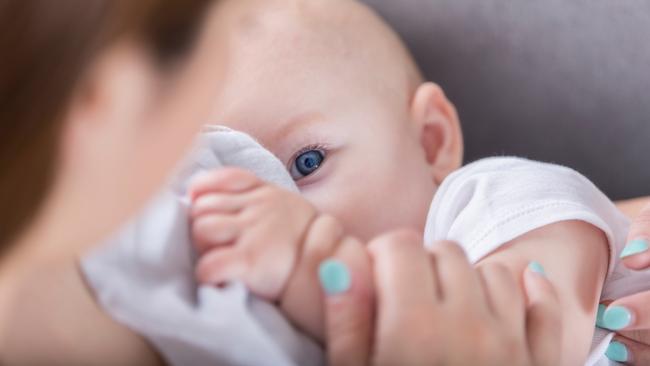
(347, 283)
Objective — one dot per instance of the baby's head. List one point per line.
(331, 90)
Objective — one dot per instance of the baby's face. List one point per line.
(332, 112)
(353, 153)
(351, 156)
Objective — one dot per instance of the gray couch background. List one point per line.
(564, 81)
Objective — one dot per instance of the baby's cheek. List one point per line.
(345, 205)
(405, 207)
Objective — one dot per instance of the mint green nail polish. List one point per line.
(537, 268)
(617, 351)
(334, 277)
(635, 247)
(599, 316)
(617, 318)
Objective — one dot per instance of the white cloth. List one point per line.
(493, 201)
(144, 276)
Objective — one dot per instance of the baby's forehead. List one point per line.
(297, 47)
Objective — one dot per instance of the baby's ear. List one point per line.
(440, 132)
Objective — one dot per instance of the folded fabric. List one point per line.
(144, 276)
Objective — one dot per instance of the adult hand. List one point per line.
(433, 308)
(630, 316)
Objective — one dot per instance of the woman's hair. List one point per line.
(47, 45)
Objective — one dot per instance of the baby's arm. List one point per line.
(575, 256)
(514, 211)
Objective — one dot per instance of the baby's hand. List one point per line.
(248, 230)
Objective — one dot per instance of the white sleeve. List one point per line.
(493, 201)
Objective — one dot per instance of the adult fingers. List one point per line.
(640, 335)
(627, 313)
(321, 242)
(406, 299)
(399, 258)
(346, 280)
(459, 282)
(628, 351)
(543, 318)
(636, 254)
(504, 295)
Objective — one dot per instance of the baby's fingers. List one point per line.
(543, 318)
(264, 275)
(217, 203)
(221, 266)
(212, 231)
(232, 180)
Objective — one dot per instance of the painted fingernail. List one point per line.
(334, 276)
(617, 318)
(537, 267)
(617, 351)
(635, 247)
(599, 316)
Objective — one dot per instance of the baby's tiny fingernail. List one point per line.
(334, 276)
(617, 318)
(537, 267)
(617, 351)
(599, 316)
(635, 247)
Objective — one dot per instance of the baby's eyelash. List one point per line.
(321, 147)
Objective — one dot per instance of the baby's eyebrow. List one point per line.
(297, 123)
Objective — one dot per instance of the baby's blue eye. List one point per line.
(307, 163)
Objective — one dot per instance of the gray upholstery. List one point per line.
(565, 81)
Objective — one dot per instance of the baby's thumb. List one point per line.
(543, 318)
(636, 255)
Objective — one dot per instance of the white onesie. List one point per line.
(143, 276)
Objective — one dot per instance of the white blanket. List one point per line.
(144, 277)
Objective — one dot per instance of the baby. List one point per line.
(331, 90)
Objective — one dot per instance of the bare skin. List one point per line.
(48, 315)
(633, 208)
(42, 295)
(359, 106)
(636, 336)
(258, 247)
(57, 322)
(404, 275)
(283, 268)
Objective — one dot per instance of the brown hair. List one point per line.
(46, 46)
